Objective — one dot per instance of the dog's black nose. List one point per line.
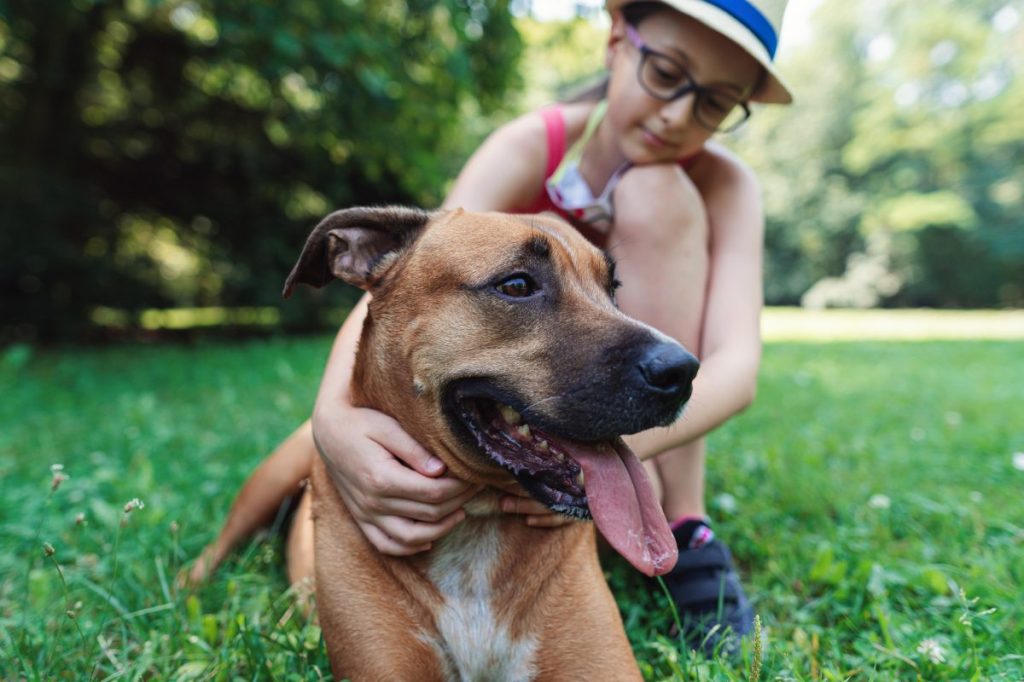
(669, 368)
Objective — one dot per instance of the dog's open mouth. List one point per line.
(539, 461)
(602, 480)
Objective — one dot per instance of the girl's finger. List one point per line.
(421, 511)
(385, 544)
(416, 533)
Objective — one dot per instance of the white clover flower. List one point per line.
(1018, 461)
(879, 501)
(133, 504)
(129, 507)
(58, 476)
(932, 650)
(727, 503)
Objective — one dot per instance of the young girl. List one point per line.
(638, 173)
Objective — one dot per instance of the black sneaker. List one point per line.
(705, 587)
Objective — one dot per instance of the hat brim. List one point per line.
(773, 90)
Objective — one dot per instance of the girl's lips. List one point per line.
(653, 140)
(657, 142)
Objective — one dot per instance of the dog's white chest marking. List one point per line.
(473, 645)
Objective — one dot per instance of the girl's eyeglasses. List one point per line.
(666, 79)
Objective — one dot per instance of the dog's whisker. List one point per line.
(536, 403)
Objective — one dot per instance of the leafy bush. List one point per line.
(163, 153)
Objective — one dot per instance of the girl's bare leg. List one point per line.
(660, 244)
(278, 477)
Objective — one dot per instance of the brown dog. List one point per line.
(495, 341)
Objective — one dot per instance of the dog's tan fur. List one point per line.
(495, 599)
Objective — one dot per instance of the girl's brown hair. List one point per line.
(595, 91)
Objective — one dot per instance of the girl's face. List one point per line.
(650, 130)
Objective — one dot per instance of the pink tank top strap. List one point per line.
(554, 131)
(554, 126)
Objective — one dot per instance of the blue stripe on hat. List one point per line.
(751, 17)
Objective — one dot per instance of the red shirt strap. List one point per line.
(554, 129)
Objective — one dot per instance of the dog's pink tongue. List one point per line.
(624, 506)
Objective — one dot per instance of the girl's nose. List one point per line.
(677, 113)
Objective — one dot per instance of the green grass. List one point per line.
(870, 496)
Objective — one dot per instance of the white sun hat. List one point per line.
(754, 25)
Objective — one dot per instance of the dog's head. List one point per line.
(496, 340)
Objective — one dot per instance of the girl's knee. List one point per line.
(660, 204)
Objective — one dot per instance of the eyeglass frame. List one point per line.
(684, 90)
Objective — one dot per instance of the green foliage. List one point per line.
(165, 153)
(872, 502)
(912, 211)
(172, 153)
(907, 122)
(562, 56)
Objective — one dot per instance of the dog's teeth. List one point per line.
(524, 430)
(542, 445)
(579, 478)
(509, 415)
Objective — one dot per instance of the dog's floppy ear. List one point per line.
(355, 245)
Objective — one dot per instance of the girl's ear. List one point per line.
(616, 38)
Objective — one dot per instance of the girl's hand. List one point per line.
(535, 513)
(396, 491)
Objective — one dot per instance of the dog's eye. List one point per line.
(517, 286)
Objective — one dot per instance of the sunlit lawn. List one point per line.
(872, 496)
(794, 324)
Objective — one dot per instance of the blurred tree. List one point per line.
(896, 179)
(564, 56)
(812, 213)
(176, 152)
(940, 147)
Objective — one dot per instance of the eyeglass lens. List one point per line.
(665, 79)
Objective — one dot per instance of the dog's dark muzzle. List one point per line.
(629, 388)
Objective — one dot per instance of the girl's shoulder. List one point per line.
(506, 173)
(529, 131)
